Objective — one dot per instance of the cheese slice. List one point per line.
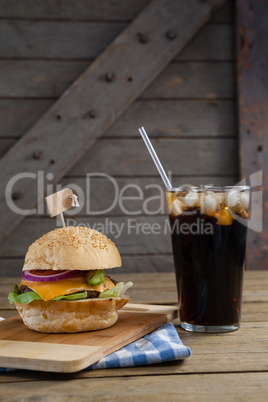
(50, 290)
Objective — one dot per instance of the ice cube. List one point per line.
(176, 208)
(210, 204)
(220, 197)
(233, 198)
(245, 198)
(191, 198)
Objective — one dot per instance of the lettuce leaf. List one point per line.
(118, 291)
(74, 296)
(126, 286)
(28, 297)
(114, 292)
(23, 298)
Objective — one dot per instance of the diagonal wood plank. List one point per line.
(99, 96)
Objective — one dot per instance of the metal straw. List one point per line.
(155, 157)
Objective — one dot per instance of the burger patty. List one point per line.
(91, 294)
(24, 289)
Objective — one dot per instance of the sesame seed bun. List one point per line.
(72, 248)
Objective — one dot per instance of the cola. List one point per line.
(208, 232)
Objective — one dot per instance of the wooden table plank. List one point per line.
(143, 388)
(230, 366)
(202, 363)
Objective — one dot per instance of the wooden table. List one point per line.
(231, 366)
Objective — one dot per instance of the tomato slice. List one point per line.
(45, 272)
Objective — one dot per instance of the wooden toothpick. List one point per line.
(62, 220)
(59, 202)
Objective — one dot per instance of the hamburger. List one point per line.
(64, 288)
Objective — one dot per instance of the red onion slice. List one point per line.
(48, 276)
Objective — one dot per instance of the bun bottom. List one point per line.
(55, 317)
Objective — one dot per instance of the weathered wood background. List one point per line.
(252, 56)
(189, 111)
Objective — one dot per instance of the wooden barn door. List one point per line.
(142, 72)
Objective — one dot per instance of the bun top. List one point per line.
(72, 248)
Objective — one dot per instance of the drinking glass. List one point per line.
(208, 232)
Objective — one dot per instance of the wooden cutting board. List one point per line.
(23, 348)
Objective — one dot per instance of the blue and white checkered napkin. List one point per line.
(162, 345)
